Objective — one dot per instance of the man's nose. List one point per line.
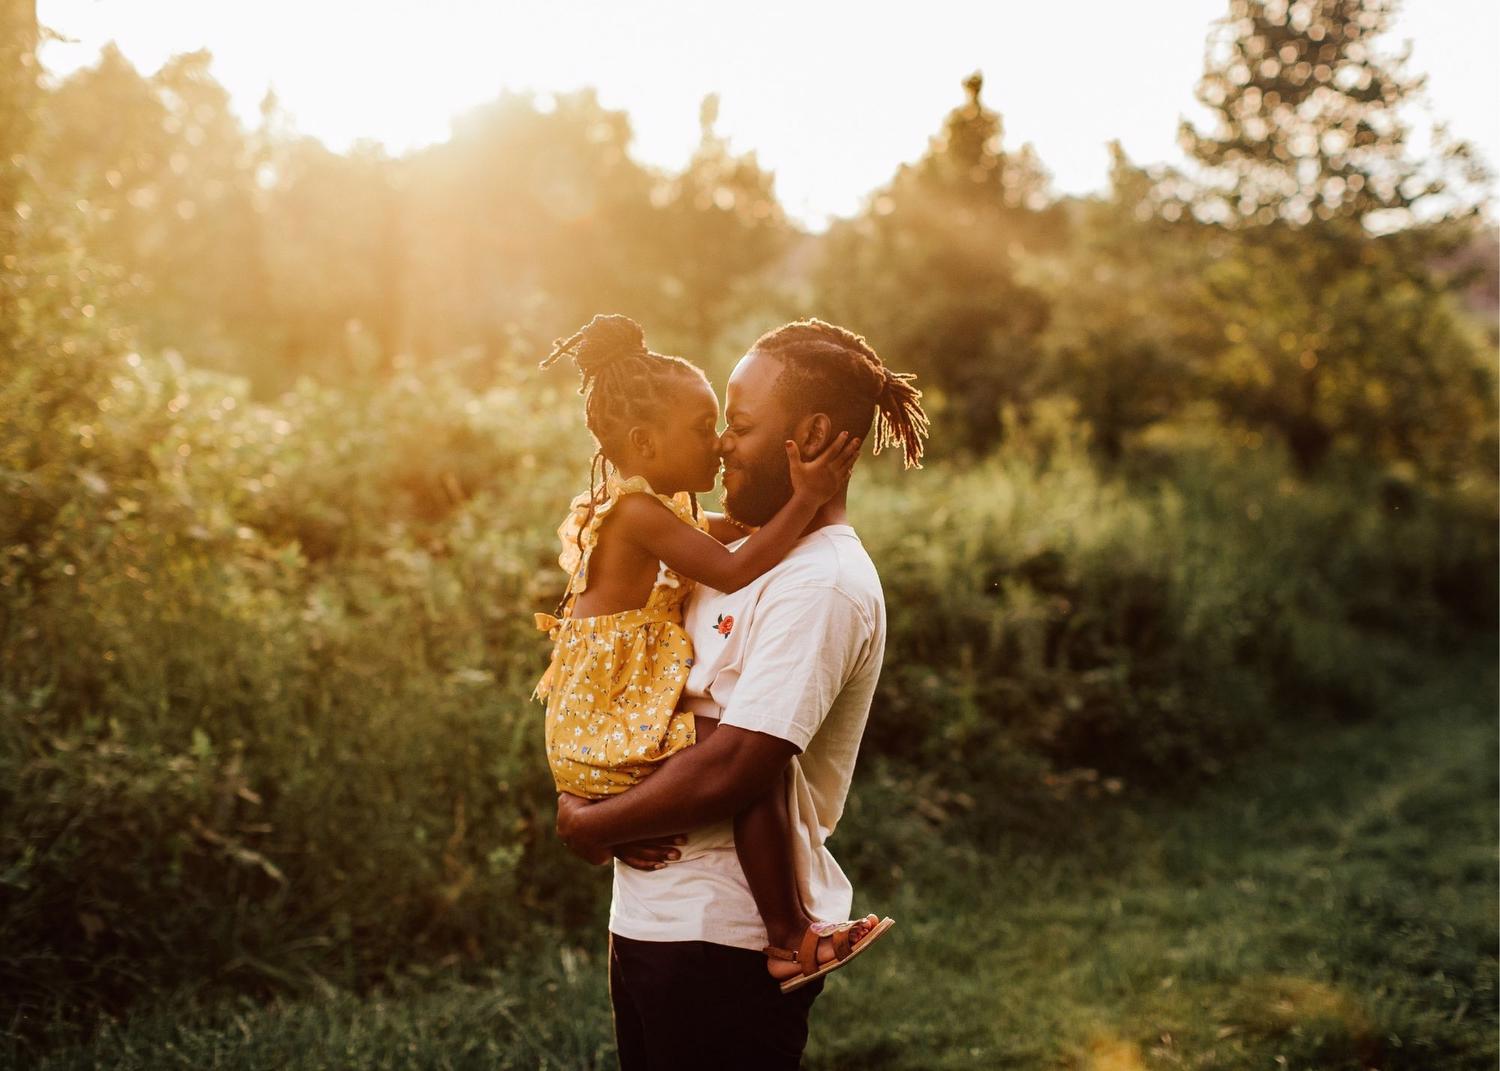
(723, 444)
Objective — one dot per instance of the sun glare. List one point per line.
(832, 110)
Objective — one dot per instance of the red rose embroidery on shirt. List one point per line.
(724, 626)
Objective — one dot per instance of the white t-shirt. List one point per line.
(795, 654)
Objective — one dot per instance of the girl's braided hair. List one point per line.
(624, 385)
(829, 369)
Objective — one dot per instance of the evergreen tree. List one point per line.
(1308, 119)
(1337, 326)
(928, 271)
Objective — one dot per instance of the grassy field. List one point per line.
(1333, 905)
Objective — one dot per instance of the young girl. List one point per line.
(632, 549)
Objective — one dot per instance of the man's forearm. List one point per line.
(706, 783)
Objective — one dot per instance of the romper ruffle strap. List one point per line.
(579, 531)
(546, 623)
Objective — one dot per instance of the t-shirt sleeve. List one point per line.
(804, 645)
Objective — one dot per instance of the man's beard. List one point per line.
(764, 485)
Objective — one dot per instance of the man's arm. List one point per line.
(706, 783)
(803, 643)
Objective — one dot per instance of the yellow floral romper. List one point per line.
(614, 681)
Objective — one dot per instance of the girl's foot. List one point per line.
(784, 969)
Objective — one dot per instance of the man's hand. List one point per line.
(570, 811)
(650, 854)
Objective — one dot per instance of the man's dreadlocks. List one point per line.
(829, 369)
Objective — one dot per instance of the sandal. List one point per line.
(843, 951)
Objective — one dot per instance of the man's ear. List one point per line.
(642, 441)
(813, 433)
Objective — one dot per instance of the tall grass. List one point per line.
(1329, 903)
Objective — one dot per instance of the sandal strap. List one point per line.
(806, 955)
(841, 942)
(807, 952)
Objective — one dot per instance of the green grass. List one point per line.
(1333, 905)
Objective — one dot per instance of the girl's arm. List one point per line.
(699, 556)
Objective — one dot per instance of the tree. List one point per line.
(333, 228)
(928, 270)
(711, 230)
(1127, 330)
(161, 177)
(519, 226)
(59, 346)
(18, 90)
(1308, 120)
(1337, 327)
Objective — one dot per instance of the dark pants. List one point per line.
(694, 1005)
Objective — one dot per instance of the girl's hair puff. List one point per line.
(624, 385)
(622, 382)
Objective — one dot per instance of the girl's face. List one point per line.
(685, 445)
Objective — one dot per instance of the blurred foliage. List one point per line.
(163, 188)
(269, 255)
(1309, 120)
(928, 272)
(278, 490)
(1129, 332)
(1337, 328)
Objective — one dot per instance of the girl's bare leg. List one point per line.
(762, 840)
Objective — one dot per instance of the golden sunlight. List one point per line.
(828, 96)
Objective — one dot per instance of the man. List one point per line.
(788, 664)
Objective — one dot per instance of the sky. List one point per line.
(832, 96)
